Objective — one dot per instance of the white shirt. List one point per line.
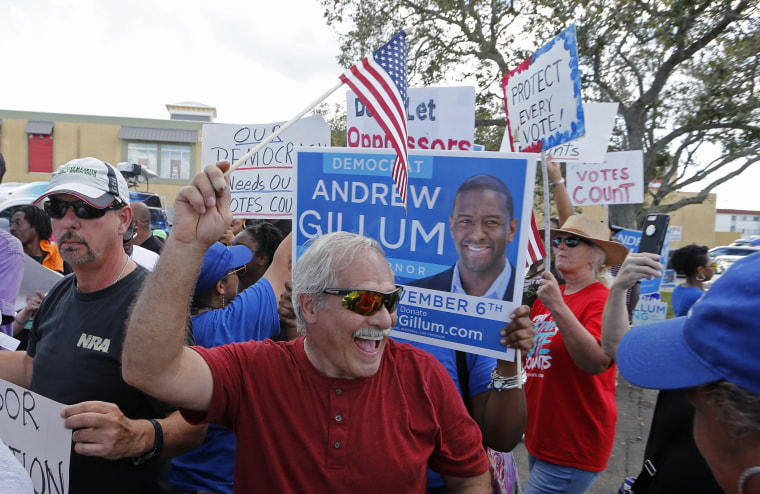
(498, 288)
(144, 257)
(13, 477)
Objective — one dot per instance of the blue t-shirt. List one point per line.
(252, 315)
(479, 368)
(683, 298)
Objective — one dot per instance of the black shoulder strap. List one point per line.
(464, 379)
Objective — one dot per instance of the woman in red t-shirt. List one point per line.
(570, 391)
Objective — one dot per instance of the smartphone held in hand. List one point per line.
(653, 233)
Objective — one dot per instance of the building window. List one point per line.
(144, 154)
(170, 161)
(756, 218)
(175, 162)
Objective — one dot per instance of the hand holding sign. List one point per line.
(101, 429)
(519, 333)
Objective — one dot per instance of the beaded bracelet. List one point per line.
(500, 383)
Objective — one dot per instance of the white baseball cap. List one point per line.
(90, 179)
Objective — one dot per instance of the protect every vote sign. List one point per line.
(341, 189)
(543, 96)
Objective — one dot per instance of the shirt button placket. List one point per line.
(337, 429)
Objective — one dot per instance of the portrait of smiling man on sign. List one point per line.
(481, 225)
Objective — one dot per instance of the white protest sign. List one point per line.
(36, 278)
(592, 146)
(32, 427)
(619, 180)
(676, 233)
(262, 187)
(437, 118)
(669, 279)
(648, 311)
(543, 97)
(9, 342)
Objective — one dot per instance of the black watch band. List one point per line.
(158, 445)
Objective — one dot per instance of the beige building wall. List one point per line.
(76, 136)
(697, 221)
(725, 238)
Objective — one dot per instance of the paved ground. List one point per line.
(635, 408)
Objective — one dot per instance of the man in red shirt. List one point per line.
(342, 409)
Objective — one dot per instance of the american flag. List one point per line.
(380, 82)
(536, 250)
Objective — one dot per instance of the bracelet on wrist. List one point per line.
(558, 182)
(500, 383)
(20, 323)
(158, 444)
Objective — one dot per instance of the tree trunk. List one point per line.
(624, 215)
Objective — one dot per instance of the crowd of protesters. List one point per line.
(267, 382)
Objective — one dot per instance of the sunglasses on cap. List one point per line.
(367, 302)
(569, 241)
(238, 271)
(57, 209)
(128, 235)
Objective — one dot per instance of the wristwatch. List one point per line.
(158, 445)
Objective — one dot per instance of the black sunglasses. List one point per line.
(367, 302)
(57, 209)
(569, 241)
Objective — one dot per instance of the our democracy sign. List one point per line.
(262, 187)
(543, 96)
(32, 427)
(437, 118)
(342, 189)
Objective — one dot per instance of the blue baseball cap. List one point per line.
(717, 340)
(217, 261)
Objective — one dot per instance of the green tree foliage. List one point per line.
(684, 72)
(336, 119)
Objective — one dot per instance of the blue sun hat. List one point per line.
(217, 261)
(717, 340)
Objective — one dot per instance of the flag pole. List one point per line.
(281, 129)
(547, 246)
(547, 213)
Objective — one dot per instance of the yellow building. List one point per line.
(696, 222)
(35, 144)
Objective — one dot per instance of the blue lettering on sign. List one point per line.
(629, 238)
(374, 164)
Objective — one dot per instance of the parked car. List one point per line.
(35, 189)
(724, 256)
(158, 218)
(7, 187)
(25, 194)
(753, 241)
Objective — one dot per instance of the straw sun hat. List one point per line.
(596, 232)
